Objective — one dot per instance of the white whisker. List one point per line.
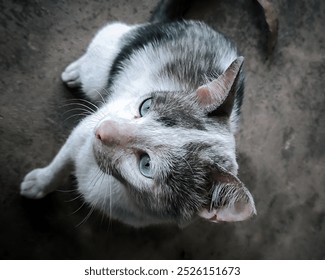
(75, 198)
(78, 101)
(82, 105)
(87, 217)
(77, 109)
(103, 101)
(82, 205)
(76, 115)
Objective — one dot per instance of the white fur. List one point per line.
(91, 70)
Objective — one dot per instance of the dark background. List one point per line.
(280, 141)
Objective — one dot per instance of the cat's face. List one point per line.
(171, 153)
(162, 152)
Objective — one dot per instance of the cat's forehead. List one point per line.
(153, 134)
(176, 117)
(177, 109)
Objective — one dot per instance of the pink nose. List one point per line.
(111, 132)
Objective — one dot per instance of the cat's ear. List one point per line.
(230, 200)
(217, 97)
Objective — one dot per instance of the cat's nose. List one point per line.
(111, 132)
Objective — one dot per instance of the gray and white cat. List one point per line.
(161, 148)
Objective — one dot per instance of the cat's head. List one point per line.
(175, 152)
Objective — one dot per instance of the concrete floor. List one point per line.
(280, 144)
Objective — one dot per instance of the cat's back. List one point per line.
(188, 53)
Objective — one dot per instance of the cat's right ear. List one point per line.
(217, 97)
(230, 200)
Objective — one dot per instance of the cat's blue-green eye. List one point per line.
(145, 166)
(145, 107)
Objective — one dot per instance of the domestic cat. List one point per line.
(161, 147)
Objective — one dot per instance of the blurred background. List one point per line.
(281, 141)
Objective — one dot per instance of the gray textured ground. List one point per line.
(280, 143)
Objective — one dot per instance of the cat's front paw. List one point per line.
(71, 74)
(36, 184)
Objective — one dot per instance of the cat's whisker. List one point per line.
(80, 116)
(75, 198)
(87, 216)
(91, 103)
(77, 109)
(107, 92)
(81, 105)
(96, 177)
(76, 115)
(84, 112)
(81, 101)
(77, 102)
(106, 196)
(78, 209)
(109, 195)
(107, 171)
(83, 204)
(101, 96)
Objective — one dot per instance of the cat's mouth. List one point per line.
(102, 157)
(105, 162)
(106, 158)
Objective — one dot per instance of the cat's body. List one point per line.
(161, 148)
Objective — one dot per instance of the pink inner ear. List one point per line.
(204, 95)
(238, 212)
(215, 92)
(212, 93)
(235, 213)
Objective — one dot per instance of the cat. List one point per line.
(161, 147)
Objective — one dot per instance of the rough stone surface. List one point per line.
(281, 142)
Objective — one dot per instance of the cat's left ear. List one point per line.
(231, 201)
(217, 97)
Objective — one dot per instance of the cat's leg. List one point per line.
(90, 72)
(41, 181)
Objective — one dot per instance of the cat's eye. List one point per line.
(145, 107)
(145, 166)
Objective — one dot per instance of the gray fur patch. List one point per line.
(177, 110)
